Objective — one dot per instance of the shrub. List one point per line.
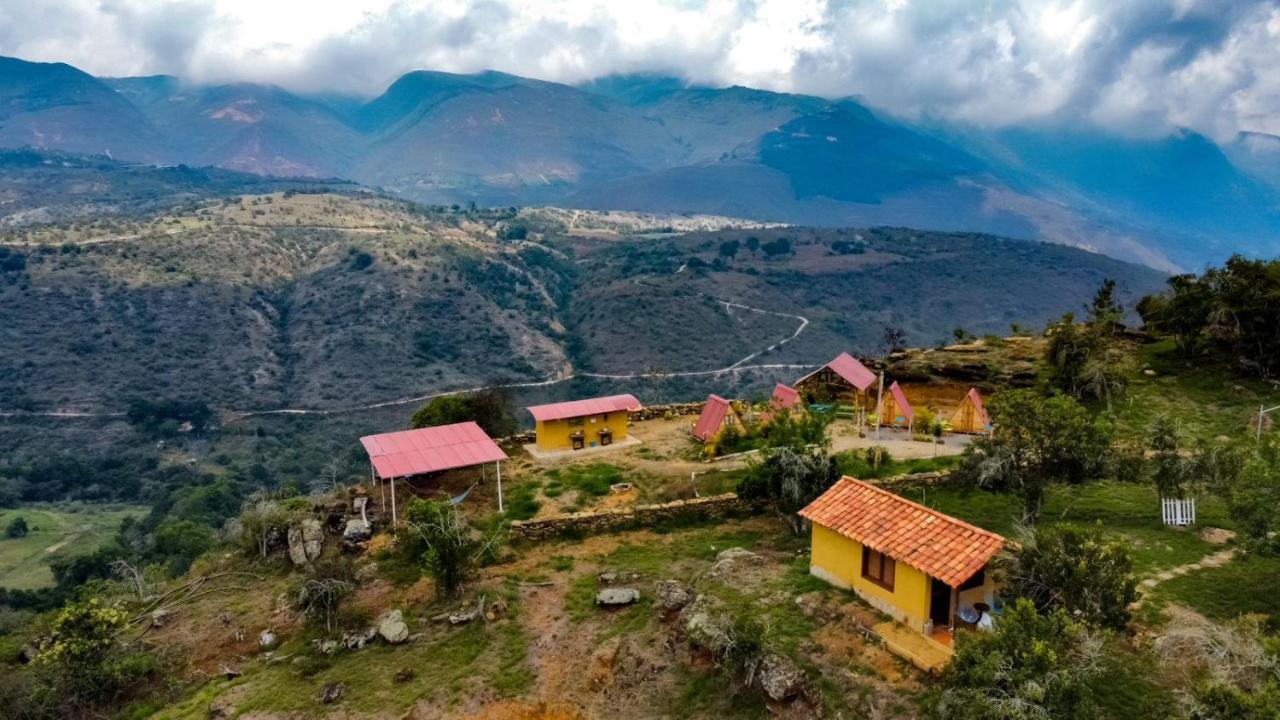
(319, 595)
(1076, 570)
(84, 669)
(788, 481)
(17, 528)
(450, 550)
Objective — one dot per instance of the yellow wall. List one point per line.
(554, 434)
(838, 560)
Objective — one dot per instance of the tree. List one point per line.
(83, 667)
(893, 339)
(1037, 442)
(319, 595)
(450, 549)
(1066, 355)
(1105, 313)
(17, 528)
(788, 481)
(179, 542)
(1168, 470)
(1254, 498)
(1030, 667)
(1076, 570)
(729, 249)
(489, 408)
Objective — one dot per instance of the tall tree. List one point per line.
(1077, 570)
(1037, 441)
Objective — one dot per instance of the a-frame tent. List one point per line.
(971, 416)
(896, 410)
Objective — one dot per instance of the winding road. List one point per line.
(739, 366)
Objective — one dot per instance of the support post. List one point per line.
(382, 490)
(880, 406)
(394, 521)
(498, 464)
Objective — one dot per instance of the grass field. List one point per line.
(1126, 511)
(1203, 396)
(55, 530)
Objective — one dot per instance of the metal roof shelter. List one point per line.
(433, 449)
(848, 368)
(581, 408)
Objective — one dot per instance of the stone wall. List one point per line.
(660, 411)
(898, 483)
(716, 506)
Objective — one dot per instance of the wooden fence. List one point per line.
(1178, 511)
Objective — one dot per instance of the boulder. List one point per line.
(357, 530)
(160, 616)
(617, 596)
(780, 678)
(734, 559)
(404, 675)
(360, 638)
(266, 639)
(305, 541)
(392, 628)
(331, 692)
(707, 625)
(672, 595)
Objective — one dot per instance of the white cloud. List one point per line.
(1140, 65)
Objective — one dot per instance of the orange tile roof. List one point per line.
(938, 545)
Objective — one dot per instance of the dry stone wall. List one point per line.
(716, 506)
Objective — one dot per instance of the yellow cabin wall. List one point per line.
(555, 434)
(838, 560)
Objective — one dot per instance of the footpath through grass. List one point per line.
(55, 531)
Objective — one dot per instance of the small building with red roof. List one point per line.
(971, 416)
(928, 570)
(895, 409)
(784, 397)
(843, 382)
(717, 414)
(583, 424)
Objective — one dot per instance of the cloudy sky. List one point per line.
(1138, 65)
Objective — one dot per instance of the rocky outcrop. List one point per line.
(392, 628)
(671, 596)
(780, 678)
(734, 560)
(306, 539)
(357, 530)
(707, 625)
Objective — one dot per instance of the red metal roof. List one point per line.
(414, 452)
(582, 408)
(938, 545)
(900, 399)
(784, 397)
(978, 407)
(848, 367)
(712, 417)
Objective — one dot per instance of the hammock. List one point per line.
(457, 500)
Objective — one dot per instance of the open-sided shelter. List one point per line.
(895, 409)
(717, 414)
(407, 453)
(843, 381)
(580, 424)
(971, 416)
(922, 567)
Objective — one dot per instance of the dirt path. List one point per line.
(1212, 560)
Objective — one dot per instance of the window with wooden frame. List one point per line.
(878, 568)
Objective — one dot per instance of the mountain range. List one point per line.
(657, 144)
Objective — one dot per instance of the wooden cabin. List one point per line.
(895, 409)
(927, 570)
(971, 416)
(842, 382)
(582, 424)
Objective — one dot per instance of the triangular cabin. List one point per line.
(843, 382)
(896, 410)
(971, 417)
(785, 398)
(717, 414)
(927, 570)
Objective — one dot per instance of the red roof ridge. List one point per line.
(898, 498)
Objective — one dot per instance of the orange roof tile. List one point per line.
(938, 545)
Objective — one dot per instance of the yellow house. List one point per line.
(927, 570)
(582, 424)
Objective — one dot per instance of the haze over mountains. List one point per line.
(652, 143)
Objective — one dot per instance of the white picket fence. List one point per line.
(1178, 511)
